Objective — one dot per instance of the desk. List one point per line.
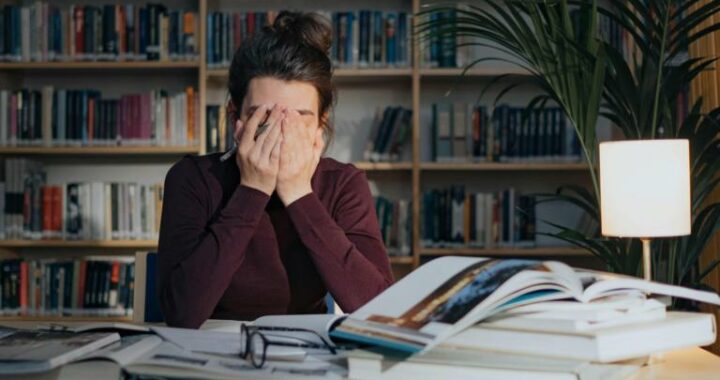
(688, 364)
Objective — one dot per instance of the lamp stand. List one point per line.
(647, 267)
(659, 357)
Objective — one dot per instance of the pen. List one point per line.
(261, 129)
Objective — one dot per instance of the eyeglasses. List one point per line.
(254, 341)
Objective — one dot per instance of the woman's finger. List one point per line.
(263, 136)
(248, 134)
(270, 139)
(275, 154)
(276, 114)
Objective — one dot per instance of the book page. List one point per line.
(166, 359)
(450, 294)
(608, 283)
(126, 350)
(319, 323)
(210, 342)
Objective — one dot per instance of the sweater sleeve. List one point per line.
(197, 258)
(347, 250)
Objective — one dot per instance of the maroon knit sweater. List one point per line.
(232, 252)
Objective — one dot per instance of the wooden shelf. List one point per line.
(473, 72)
(403, 260)
(101, 150)
(524, 252)
(55, 318)
(374, 72)
(378, 166)
(99, 65)
(129, 244)
(504, 166)
(341, 73)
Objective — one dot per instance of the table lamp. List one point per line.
(645, 191)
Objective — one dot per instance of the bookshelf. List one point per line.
(407, 86)
(496, 166)
(89, 65)
(100, 150)
(504, 252)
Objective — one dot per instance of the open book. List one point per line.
(31, 351)
(450, 294)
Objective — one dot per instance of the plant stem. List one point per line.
(661, 60)
(590, 160)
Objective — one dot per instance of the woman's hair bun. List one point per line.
(311, 28)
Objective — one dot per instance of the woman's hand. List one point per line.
(259, 159)
(302, 146)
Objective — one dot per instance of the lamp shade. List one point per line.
(645, 188)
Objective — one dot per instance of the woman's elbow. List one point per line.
(180, 315)
(179, 311)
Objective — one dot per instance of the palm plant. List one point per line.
(557, 43)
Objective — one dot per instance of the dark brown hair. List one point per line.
(294, 48)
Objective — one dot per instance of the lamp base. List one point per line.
(647, 266)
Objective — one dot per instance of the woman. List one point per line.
(277, 227)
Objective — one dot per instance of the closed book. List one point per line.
(443, 132)
(573, 317)
(458, 364)
(459, 131)
(677, 330)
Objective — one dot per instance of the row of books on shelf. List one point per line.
(372, 38)
(390, 134)
(466, 132)
(42, 31)
(447, 49)
(610, 31)
(454, 217)
(453, 49)
(395, 219)
(362, 38)
(91, 286)
(226, 31)
(436, 49)
(95, 210)
(83, 117)
(218, 129)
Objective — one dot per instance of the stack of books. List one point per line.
(467, 317)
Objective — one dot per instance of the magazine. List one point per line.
(30, 351)
(450, 294)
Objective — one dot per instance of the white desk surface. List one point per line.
(687, 364)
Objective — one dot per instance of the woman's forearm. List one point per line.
(349, 253)
(197, 260)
